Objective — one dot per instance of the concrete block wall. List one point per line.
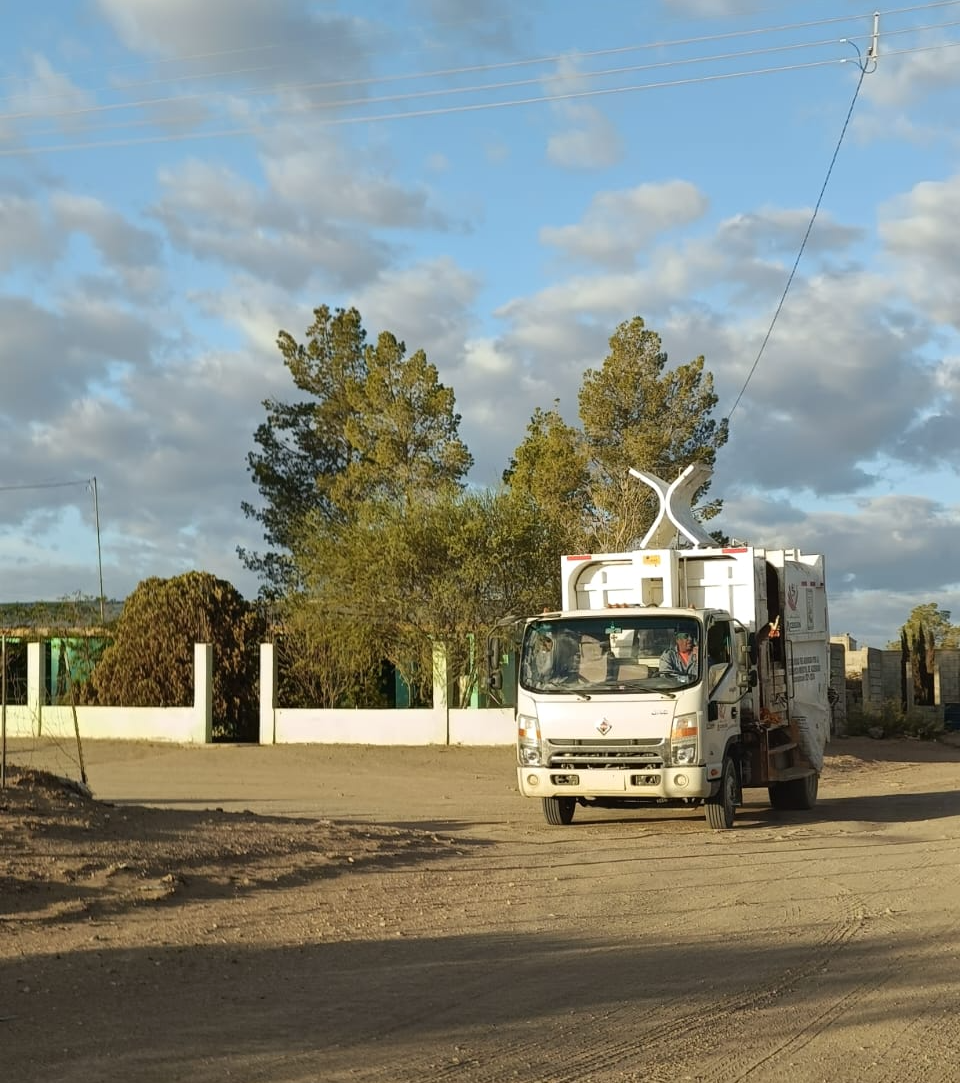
(946, 676)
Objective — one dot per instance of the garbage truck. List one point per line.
(678, 674)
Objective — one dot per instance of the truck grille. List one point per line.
(572, 755)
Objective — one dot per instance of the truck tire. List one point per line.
(559, 810)
(721, 808)
(798, 793)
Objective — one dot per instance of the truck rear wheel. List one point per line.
(797, 793)
(721, 808)
(559, 810)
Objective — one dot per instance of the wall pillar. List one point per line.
(441, 683)
(268, 693)
(36, 682)
(203, 690)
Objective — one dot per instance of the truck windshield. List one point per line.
(611, 654)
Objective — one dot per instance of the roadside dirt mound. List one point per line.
(64, 854)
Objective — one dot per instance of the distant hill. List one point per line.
(69, 614)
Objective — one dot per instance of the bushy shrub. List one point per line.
(891, 721)
(150, 661)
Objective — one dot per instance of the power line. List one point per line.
(587, 54)
(45, 485)
(452, 91)
(260, 129)
(803, 243)
(497, 66)
(418, 94)
(503, 65)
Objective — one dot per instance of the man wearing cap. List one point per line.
(680, 661)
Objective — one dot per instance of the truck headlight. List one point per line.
(684, 740)
(529, 750)
(685, 754)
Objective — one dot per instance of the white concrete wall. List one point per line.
(186, 725)
(435, 725)
(386, 726)
(180, 724)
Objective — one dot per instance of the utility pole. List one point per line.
(874, 51)
(96, 516)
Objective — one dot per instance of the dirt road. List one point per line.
(402, 916)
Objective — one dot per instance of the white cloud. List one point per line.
(213, 214)
(587, 139)
(26, 237)
(52, 356)
(326, 181)
(618, 226)
(590, 142)
(487, 25)
(117, 240)
(884, 556)
(913, 75)
(713, 9)
(428, 307)
(278, 36)
(921, 232)
(47, 94)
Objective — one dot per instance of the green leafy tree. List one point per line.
(328, 657)
(150, 662)
(402, 432)
(551, 467)
(935, 621)
(302, 444)
(368, 423)
(635, 411)
(441, 570)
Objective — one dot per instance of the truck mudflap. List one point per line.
(664, 783)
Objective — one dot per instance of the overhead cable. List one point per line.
(864, 68)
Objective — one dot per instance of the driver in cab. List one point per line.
(681, 660)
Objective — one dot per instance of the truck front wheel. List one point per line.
(559, 810)
(720, 809)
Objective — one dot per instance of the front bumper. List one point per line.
(668, 783)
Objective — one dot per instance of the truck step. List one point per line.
(775, 750)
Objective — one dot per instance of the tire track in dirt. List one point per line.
(900, 1062)
(593, 1047)
(590, 1044)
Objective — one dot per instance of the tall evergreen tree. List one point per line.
(368, 424)
(635, 411)
(904, 669)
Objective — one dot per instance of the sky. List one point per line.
(501, 185)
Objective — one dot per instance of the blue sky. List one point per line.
(501, 185)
